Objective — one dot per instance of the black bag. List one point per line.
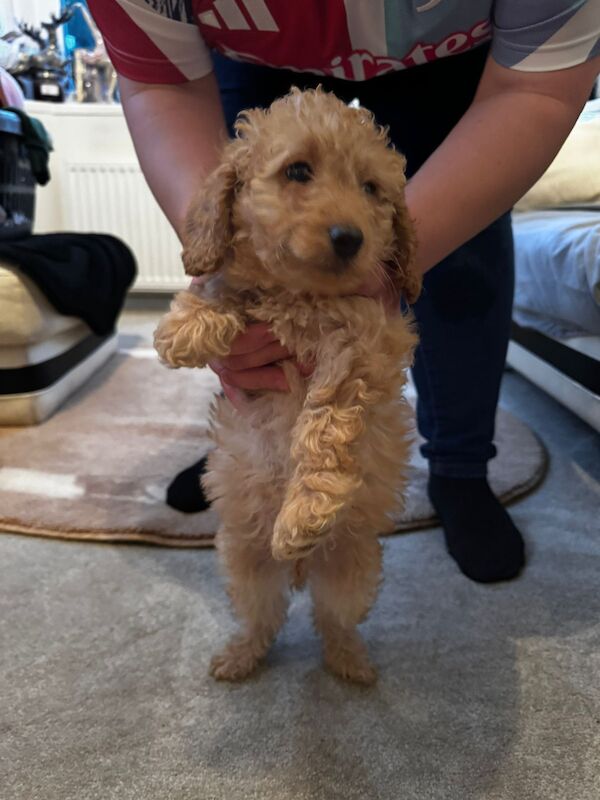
(17, 181)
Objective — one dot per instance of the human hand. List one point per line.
(252, 365)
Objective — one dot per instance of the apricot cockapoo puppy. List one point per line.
(306, 206)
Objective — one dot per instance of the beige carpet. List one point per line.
(99, 468)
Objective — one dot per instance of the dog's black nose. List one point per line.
(346, 240)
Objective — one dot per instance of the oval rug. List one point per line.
(98, 469)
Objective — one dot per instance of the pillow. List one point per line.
(573, 178)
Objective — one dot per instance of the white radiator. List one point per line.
(114, 198)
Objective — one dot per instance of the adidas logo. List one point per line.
(239, 15)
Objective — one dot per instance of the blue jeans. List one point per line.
(464, 312)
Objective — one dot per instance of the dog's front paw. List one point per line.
(300, 527)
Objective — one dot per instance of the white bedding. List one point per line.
(557, 266)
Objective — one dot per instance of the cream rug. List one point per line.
(99, 468)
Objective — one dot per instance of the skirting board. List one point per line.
(571, 394)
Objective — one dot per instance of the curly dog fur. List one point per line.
(303, 481)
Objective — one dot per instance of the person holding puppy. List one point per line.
(478, 96)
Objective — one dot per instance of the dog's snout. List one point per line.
(346, 240)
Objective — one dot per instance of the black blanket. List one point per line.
(83, 275)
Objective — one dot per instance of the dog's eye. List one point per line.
(299, 171)
(369, 187)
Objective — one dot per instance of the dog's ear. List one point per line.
(208, 227)
(408, 279)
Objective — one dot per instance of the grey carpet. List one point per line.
(485, 693)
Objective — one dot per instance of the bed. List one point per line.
(44, 356)
(555, 340)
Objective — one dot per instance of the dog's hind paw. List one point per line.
(352, 667)
(234, 663)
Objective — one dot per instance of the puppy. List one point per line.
(306, 206)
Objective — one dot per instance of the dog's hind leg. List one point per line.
(259, 592)
(344, 583)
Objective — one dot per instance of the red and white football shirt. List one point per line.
(168, 41)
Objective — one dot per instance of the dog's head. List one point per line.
(309, 197)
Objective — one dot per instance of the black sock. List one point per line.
(185, 492)
(480, 535)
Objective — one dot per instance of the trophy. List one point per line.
(95, 77)
(43, 75)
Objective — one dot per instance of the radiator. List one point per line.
(114, 198)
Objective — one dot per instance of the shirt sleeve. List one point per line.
(152, 41)
(535, 36)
